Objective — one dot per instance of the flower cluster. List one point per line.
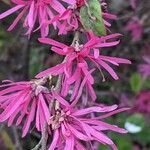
(38, 102)
(75, 68)
(72, 126)
(49, 12)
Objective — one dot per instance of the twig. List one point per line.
(44, 137)
(44, 132)
(43, 142)
(38, 145)
(75, 39)
(17, 139)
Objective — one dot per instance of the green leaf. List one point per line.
(91, 17)
(136, 82)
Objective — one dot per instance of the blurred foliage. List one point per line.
(147, 84)
(7, 140)
(137, 119)
(136, 82)
(35, 64)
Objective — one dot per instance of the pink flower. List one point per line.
(107, 16)
(145, 68)
(71, 126)
(37, 11)
(67, 21)
(76, 68)
(136, 28)
(25, 100)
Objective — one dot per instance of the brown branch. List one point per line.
(38, 145)
(44, 132)
(18, 144)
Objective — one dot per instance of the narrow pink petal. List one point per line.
(71, 2)
(109, 16)
(10, 11)
(12, 107)
(13, 89)
(115, 59)
(52, 42)
(75, 89)
(78, 134)
(31, 15)
(108, 69)
(42, 119)
(56, 5)
(107, 44)
(94, 109)
(52, 70)
(66, 14)
(17, 19)
(69, 143)
(75, 76)
(111, 36)
(20, 2)
(62, 28)
(96, 53)
(91, 91)
(79, 92)
(81, 88)
(7, 97)
(24, 109)
(12, 117)
(29, 119)
(65, 88)
(60, 99)
(88, 75)
(112, 113)
(92, 42)
(45, 107)
(101, 137)
(106, 126)
(20, 118)
(38, 116)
